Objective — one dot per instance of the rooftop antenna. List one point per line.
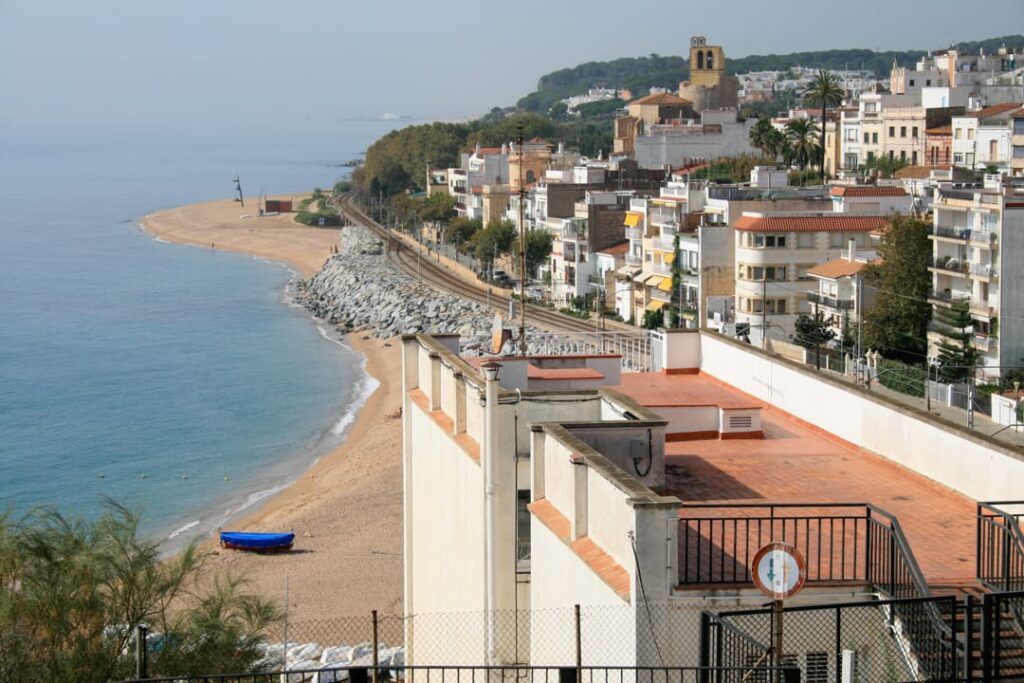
(238, 186)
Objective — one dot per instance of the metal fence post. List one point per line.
(839, 644)
(705, 647)
(968, 637)
(375, 652)
(986, 637)
(140, 652)
(579, 643)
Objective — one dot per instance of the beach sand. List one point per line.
(221, 224)
(347, 510)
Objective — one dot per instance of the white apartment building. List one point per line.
(718, 133)
(978, 258)
(482, 166)
(984, 137)
(775, 252)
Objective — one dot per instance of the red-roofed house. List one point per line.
(840, 299)
(775, 254)
(871, 199)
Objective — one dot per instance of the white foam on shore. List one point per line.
(182, 529)
(254, 498)
(361, 392)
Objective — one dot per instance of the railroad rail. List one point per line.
(441, 279)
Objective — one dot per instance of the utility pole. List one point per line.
(860, 322)
(238, 186)
(522, 247)
(764, 310)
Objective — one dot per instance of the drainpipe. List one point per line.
(490, 370)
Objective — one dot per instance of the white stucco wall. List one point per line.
(975, 468)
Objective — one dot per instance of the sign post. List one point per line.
(779, 572)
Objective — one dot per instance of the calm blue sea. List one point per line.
(172, 378)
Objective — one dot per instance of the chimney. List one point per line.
(476, 150)
(504, 148)
(851, 255)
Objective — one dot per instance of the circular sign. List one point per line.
(779, 571)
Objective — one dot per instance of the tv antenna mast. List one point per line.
(522, 247)
(238, 186)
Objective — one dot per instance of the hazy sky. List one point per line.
(252, 64)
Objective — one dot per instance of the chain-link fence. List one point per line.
(894, 640)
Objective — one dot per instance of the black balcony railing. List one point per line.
(955, 233)
(1000, 545)
(830, 301)
(952, 265)
(840, 542)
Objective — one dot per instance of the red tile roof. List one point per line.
(662, 98)
(828, 223)
(837, 268)
(867, 191)
(994, 110)
(617, 249)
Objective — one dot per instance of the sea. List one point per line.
(179, 381)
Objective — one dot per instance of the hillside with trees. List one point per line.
(639, 74)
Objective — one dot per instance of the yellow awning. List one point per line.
(653, 280)
(665, 285)
(633, 219)
(670, 257)
(654, 305)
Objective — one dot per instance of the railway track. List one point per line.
(441, 279)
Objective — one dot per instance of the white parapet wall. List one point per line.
(969, 464)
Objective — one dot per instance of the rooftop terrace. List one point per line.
(796, 462)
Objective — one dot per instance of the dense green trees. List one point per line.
(538, 248)
(72, 592)
(767, 138)
(813, 332)
(497, 238)
(957, 354)
(897, 323)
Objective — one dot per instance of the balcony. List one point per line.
(634, 234)
(660, 268)
(984, 342)
(659, 295)
(983, 238)
(947, 296)
(634, 261)
(955, 233)
(951, 265)
(663, 243)
(830, 301)
(984, 271)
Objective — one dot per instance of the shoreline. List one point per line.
(345, 508)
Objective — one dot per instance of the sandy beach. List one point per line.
(347, 510)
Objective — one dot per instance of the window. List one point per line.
(913, 158)
(903, 131)
(958, 158)
(837, 239)
(1018, 126)
(903, 155)
(993, 150)
(928, 83)
(522, 530)
(970, 133)
(874, 138)
(913, 131)
(1018, 152)
(867, 138)
(892, 131)
(805, 240)
(851, 135)
(758, 273)
(958, 134)
(911, 82)
(758, 241)
(871, 156)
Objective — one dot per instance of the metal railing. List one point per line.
(880, 632)
(963, 233)
(830, 301)
(1000, 546)
(951, 264)
(512, 673)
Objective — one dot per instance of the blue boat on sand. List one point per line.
(257, 541)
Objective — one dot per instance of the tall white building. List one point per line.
(978, 259)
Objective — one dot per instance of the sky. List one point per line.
(239, 65)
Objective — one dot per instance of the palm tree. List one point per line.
(802, 136)
(823, 91)
(765, 137)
